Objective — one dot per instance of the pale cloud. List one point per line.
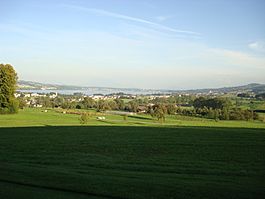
(257, 46)
(129, 18)
(139, 32)
(236, 58)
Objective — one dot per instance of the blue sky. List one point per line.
(135, 43)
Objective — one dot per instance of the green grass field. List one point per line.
(37, 117)
(50, 155)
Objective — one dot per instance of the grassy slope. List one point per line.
(35, 117)
(131, 162)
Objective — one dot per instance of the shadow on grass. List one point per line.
(139, 117)
(123, 128)
(106, 121)
(118, 161)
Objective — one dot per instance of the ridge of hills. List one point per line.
(30, 85)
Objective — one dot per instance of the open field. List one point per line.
(51, 155)
(131, 162)
(37, 117)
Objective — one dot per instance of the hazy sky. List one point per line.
(128, 43)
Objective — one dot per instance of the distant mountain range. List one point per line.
(29, 85)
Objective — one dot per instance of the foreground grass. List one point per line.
(131, 162)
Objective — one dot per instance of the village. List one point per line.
(35, 99)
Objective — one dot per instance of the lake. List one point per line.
(103, 91)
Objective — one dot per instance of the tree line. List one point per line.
(213, 108)
(221, 109)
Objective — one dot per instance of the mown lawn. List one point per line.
(131, 162)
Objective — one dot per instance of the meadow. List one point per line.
(51, 155)
(55, 117)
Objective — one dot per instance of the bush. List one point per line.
(79, 106)
(22, 103)
(12, 107)
(4, 110)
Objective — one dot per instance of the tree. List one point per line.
(216, 114)
(88, 102)
(22, 102)
(102, 105)
(160, 112)
(84, 118)
(113, 105)
(120, 104)
(171, 109)
(214, 103)
(151, 111)
(225, 114)
(66, 105)
(260, 96)
(46, 102)
(57, 102)
(211, 113)
(125, 117)
(8, 81)
(132, 106)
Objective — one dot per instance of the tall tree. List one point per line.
(8, 81)
(160, 111)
